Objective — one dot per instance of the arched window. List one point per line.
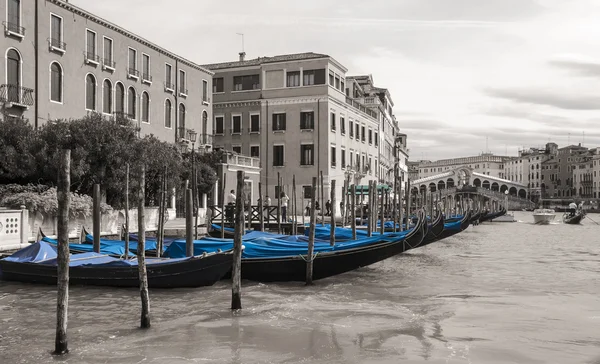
(56, 82)
(90, 92)
(120, 98)
(168, 113)
(107, 97)
(204, 127)
(182, 115)
(13, 75)
(131, 103)
(145, 107)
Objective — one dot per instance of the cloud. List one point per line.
(582, 68)
(561, 100)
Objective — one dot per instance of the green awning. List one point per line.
(364, 189)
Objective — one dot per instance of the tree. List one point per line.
(18, 163)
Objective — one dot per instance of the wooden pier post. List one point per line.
(401, 208)
(127, 211)
(311, 235)
(236, 270)
(332, 224)
(353, 210)
(294, 209)
(261, 212)
(278, 203)
(322, 200)
(223, 206)
(96, 219)
(344, 205)
(161, 217)
(141, 247)
(189, 221)
(382, 212)
(408, 207)
(62, 299)
(370, 210)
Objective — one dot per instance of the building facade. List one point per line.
(485, 164)
(63, 62)
(294, 113)
(558, 172)
(527, 168)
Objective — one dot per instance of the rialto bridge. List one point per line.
(464, 176)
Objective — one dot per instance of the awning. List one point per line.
(364, 189)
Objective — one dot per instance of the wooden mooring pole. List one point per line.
(294, 209)
(189, 223)
(145, 316)
(236, 270)
(332, 217)
(223, 206)
(261, 212)
(353, 210)
(278, 203)
(382, 212)
(62, 301)
(311, 235)
(127, 211)
(96, 218)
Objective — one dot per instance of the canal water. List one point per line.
(497, 293)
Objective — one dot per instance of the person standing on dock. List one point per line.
(230, 205)
(328, 208)
(284, 203)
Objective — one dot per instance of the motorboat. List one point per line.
(543, 216)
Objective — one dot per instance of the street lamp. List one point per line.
(192, 138)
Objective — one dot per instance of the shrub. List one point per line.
(47, 202)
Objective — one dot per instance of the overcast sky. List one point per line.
(519, 72)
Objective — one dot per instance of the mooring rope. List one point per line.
(313, 258)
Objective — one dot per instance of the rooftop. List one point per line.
(262, 60)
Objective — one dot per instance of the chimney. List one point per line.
(242, 56)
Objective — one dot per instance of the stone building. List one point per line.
(63, 62)
(302, 115)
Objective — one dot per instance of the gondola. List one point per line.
(293, 268)
(435, 229)
(38, 264)
(573, 219)
(492, 215)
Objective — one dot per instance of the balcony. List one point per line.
(146, 78)
(169, 87)
(14, 29)
(91, 58)
(361, 107)
(133, 73)
(241, 160)
(16, 95)
(372, 101)
(108, 64)
(122, 117)
(205, 139)
(183, 91)
(57, 45)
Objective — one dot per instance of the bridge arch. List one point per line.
(522, 193)
(423, 189)
(512, 191)
(441, 185)
(486, 184)
(477, 182)
(495, 186)
(503, 188)
(414, 190)
(432, 187)
(450, 183)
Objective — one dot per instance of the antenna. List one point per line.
(486, 144)
(242, 34)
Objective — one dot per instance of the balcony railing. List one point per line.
(54, 43)
(121, 115)
(92, 57)
(108, 63)
(146, 77)
(205, 139)
(360, 107)
(183, 91)
(241, 160)
(13, 28)
(133, 72)
(169, 86)
(16, 94)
